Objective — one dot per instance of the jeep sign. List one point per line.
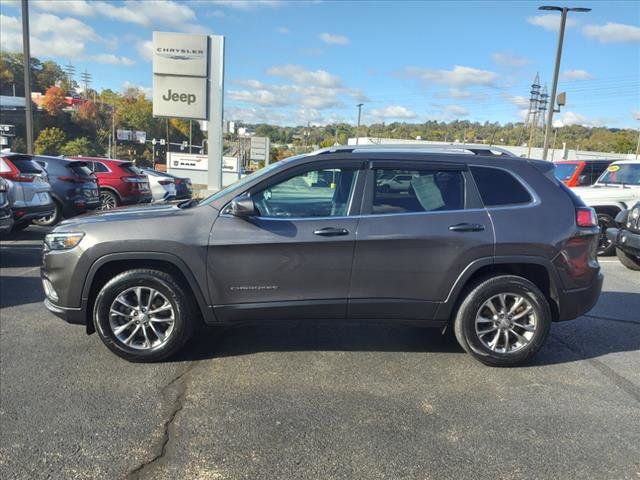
(180, 54)
(184, 97)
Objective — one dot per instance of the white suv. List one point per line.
(617, 189)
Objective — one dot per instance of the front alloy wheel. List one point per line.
(144, 315)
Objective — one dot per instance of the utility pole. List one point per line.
(190, 133)
(113, 131)
(563, 22)
(358, 127)
(26, 61)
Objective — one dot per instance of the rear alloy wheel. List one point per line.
(108, 200)
(605, 246)
(51, 219)
(503, 321)
(630, 261)
(144, 315)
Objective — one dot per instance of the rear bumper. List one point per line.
(625, 240)
(23, 214)
(573, 303)
(146, 198)
(6, 219)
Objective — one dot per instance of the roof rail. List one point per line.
(473, 149)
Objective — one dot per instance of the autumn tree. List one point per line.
(54, 101)
(87, 114)
(49, 142)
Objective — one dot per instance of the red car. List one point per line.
(121, 183)
(580, 173)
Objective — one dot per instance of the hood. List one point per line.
(601, 193)
(123, 214)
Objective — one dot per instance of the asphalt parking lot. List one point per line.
(315, 400)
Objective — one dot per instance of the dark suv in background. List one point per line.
(74, 188)
(121, 183)
(479, 241)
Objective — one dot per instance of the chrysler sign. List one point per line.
(180, 54)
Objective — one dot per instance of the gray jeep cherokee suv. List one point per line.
(487, 244)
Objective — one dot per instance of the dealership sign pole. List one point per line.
(188, 75)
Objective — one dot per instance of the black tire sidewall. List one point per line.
(165, 285)
(603, 218)
(465, 320)
(57, 214)
(629, 261)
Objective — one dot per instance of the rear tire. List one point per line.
(515, 333)
(606, 247)
(144, 315)
(108, 200)
(52, 219)
(629, 261)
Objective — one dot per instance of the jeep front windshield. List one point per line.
(621, 174)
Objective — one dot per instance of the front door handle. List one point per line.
(331, 232)
(466, 227)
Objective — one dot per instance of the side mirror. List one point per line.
(242, 206)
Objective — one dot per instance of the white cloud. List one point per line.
(459, 76)
(263, 97)
(518, 100)
(549, 21)
(456, 111)
(80, 8)
(613, 32)
(299, 75)
(572, 75)
(332, 39)
(393, 112)
(145, 49)
(282, 30)
(112, 59)
(141, 88)
(572, 118)
(509, 59)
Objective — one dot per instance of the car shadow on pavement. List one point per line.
(316, 335)
(20, 290)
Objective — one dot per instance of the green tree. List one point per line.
(50, 74)
(78, 146)
(50, 141)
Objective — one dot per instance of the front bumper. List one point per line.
(576, 302)
(625, 240)
(75, 316)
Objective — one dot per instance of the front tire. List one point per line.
(503, 321)
(144, 315)
(606, 247)
(629, 261)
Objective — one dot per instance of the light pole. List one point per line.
(26, 61)
(563, 21)
(358, 127)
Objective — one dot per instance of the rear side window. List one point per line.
(80, 170)
(498, 187)
(402, 191)
(99, 167)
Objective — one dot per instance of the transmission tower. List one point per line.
(86, 81)
(532, 115)
(70, 72)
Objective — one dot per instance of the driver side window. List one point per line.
(316, 193)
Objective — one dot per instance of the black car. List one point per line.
(74, 188)
(184, 190)
(626, 237)
(493, 247)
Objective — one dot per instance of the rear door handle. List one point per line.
(466, 227)
(331, 232)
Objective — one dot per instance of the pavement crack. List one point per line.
(618, 380)
(179, 382)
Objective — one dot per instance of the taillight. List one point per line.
(178, 181)
(586, 217)
(130, 179)
(16, 175)
(164, 182)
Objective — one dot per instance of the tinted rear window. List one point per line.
(498, 187)
(25, 164)
(564, 171)
(130, 168)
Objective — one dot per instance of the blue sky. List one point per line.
(296, 62)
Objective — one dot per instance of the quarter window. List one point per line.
(498, 187)
(402, 191)
(99, 167)
(317, 193)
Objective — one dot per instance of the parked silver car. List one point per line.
(29, 191)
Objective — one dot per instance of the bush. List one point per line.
(78, 146)
(49, 142)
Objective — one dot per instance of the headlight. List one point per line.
(62, 241)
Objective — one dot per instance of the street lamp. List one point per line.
(563, 21)
(358, 127)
